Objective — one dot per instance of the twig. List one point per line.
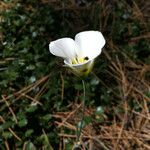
(10, 109)
(13, 133)
(33, 99)
(144, 116)
(27, 89)
(93, 137)
(140, 37)
(68, 116)
(122, 127)
(6, 145)
(67, 125)
(102, 144)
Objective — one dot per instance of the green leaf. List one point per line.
(7, 125)
(7, 134)
(47, 117)
(22, 122)
(29, 132)
(31, 108)
(29, 146)
(87, 119)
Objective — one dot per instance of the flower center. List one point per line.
(79, 60)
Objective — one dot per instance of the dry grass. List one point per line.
(126, 130)
(129, 129)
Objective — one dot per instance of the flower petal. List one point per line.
(65, 48)
(90, 43)
(81, 70)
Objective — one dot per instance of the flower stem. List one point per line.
(80, 126)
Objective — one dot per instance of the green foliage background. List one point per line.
(26, 28)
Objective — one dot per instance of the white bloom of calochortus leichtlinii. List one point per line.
(79, 54)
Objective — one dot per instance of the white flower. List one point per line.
(79, 54)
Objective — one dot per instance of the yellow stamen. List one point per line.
(79, 60)
(74, 61)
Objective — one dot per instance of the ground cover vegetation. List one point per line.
(41, 101)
